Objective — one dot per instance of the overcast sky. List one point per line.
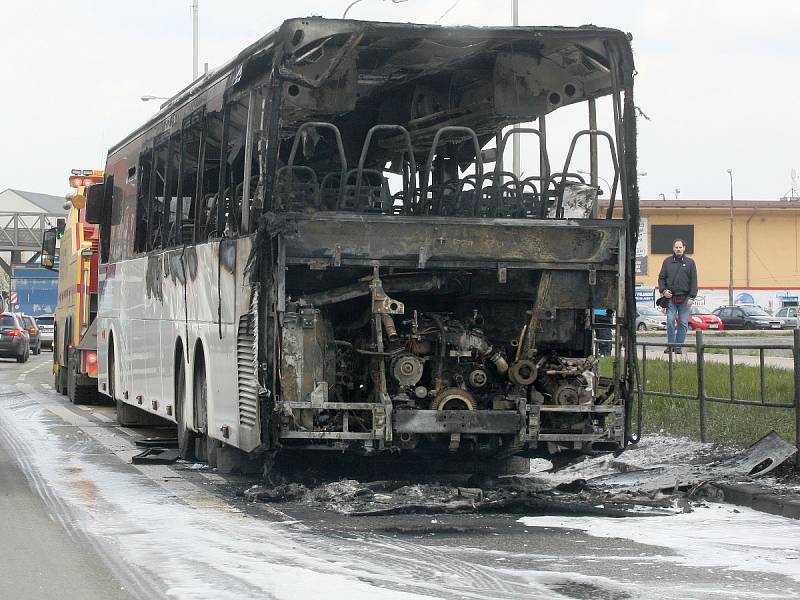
(720, 80)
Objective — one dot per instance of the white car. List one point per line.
(46, 325)
(648, 317)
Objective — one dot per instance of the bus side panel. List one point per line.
(248, 423)
(209, 283)
(210, 292)
(111, 296)
(132, 343)
(172, 325)
(147, 339)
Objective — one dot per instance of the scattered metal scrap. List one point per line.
(761, 458)
(156, 456)
(157, 442)
(509, 495)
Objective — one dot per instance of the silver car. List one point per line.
(788, 317)
(648, 317)
(46, 325)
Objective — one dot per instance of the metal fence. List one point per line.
(703, 398)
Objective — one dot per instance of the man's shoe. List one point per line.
(678, 350)
(667, 350)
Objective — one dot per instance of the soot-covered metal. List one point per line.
(418, 298)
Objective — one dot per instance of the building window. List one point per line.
(662, 236)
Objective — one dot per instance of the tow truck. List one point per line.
(72, 248)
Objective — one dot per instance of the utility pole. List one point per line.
(194, 40)
(515, 22)
(730, 265)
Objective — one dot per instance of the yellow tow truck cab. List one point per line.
(75, 334)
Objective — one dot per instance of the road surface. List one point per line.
(81, 520)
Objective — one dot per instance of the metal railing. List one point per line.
(23, 231)
(703, 397)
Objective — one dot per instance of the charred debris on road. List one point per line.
(629, 491)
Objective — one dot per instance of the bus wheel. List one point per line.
(62, 377)
(200, 399)
(186, 437)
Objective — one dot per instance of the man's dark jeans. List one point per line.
(681, 311)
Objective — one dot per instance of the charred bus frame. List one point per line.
(263, 294)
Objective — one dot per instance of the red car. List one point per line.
(701, 318)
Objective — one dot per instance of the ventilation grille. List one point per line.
(246, 369)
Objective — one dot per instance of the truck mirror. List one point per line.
(94, 204)
(78, 201)
(49, 248)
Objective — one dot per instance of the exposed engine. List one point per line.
(357, 348)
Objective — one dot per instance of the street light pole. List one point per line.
(194, 40)
(730, 275)
(516, 165)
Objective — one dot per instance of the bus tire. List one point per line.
(186, 437)
(78, 394)
(62, 377)
(112, 374)
(200, 394)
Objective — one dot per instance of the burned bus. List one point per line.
(320, 246)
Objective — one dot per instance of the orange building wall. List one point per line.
(766, 246)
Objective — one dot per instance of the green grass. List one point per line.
(726, 423)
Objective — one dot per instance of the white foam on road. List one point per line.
(197, 552)
(188, 543)
(714, 536)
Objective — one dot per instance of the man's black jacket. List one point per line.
(679, 275)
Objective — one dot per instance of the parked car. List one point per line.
(746, 316)
(35, 334)
(45, 324)
(648, 317)
(14, 338)
(788, 317)
(702, 318)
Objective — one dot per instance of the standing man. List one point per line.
(677, 282)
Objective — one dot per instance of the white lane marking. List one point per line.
(102, 417)
(124, 448)
(32, 369)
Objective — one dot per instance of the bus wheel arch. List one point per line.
(111, 366)
(200, 389)
(186, 437)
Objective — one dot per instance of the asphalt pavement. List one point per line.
(80, 521)
(42, 553)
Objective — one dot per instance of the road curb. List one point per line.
(756, 498)
(739, 494)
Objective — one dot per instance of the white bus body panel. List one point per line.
(151, 304)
